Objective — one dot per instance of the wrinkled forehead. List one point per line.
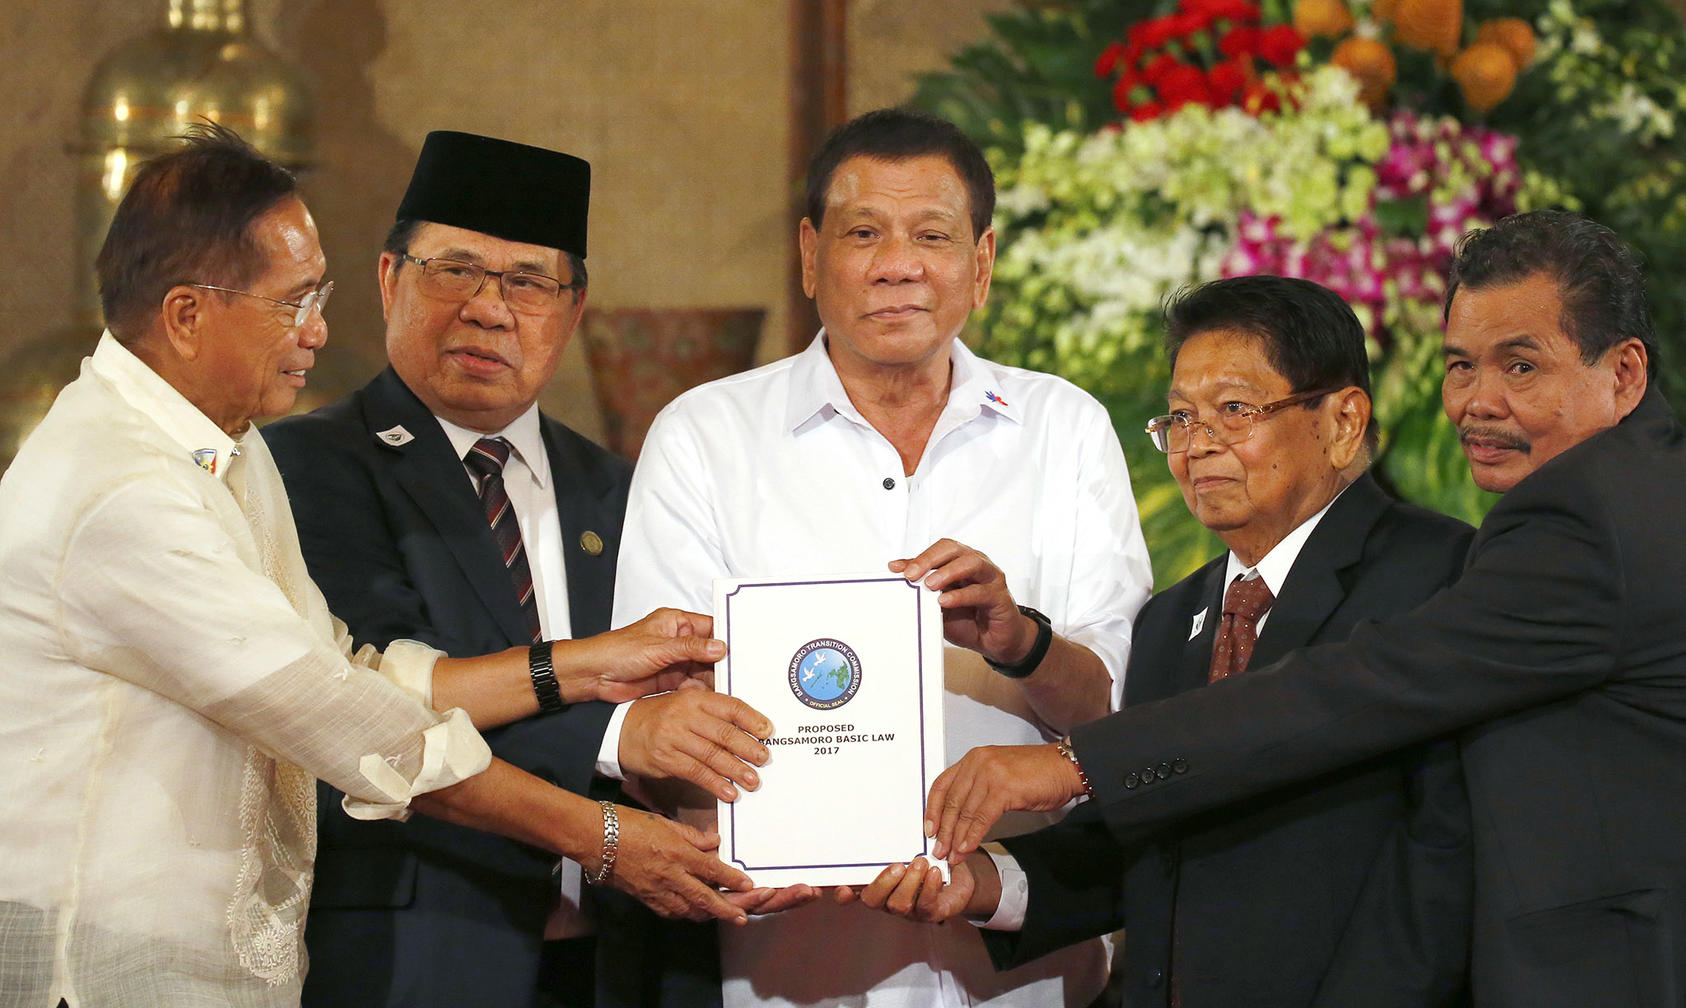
(1503, 318)
(931, 181)
(1216, 362)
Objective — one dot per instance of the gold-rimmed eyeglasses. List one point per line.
(1172, 432)
(455, 280)
(301, 308)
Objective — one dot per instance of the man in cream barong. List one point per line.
(173, 680)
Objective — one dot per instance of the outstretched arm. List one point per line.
(658, 653)
(666, 865)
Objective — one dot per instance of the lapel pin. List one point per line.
(992, 397)
(1198, 622)
(206, 458)
(591, 542)
(395, 436)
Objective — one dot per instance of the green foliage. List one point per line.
(1037, 66)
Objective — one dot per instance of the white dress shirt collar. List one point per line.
(524, 437)
(1279, 561)
(153, 397)
(816, 392)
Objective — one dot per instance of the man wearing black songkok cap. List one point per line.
(394, 491)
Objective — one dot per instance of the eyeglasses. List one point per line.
(455, 280)
(1172, 432)
(301, 308)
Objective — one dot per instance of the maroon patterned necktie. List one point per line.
(486, 460)
(1245, 602)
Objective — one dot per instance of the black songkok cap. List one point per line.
(504, 189)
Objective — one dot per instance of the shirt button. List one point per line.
(889, 483)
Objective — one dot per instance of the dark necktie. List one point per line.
(486, 460)
(1245, 601)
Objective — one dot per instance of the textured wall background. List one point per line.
(680, 105)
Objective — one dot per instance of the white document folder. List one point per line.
(849, 668)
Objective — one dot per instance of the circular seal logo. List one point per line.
(824, 674)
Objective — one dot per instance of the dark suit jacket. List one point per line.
(1352, 889)
(1562, 653)
(424, 912)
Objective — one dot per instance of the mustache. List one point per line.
(1494, 436)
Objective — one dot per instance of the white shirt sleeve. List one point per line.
(161, 596)
(1111, 576)
(1015, 891)
(670, 544)
(609, 753)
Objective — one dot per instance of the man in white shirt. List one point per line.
(888, 442)
(174, 680)
(1351, 889)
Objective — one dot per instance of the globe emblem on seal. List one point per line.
(825, 674)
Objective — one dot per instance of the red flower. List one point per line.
(1183, 84)
(1121, 91)
(1206, 52)
(1152, 34)
(1107, 60)
(1235, 10)
(1133, 53)
(1161, 65)
(1226, 80)
(1240, 40)
(1280, 44)
(1184, 25)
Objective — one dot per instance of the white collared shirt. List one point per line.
(173, 683)
(1275, 565)
(526, 477)
(775, 471)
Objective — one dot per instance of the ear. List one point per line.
(808, 240)
(571, 316)
(986, 268)
(183, 319)
(1348, 416)
(1630, 360)
(387, 273)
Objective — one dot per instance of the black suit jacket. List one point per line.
(425, 912)
(1352, 889)
(1561, 652)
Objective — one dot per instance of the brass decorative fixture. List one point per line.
(201, 61)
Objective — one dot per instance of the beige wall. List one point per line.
(680, 105)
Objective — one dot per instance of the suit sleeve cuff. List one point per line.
(1015, 891)
(609, 753)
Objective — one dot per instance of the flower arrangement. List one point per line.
(1185, 148)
